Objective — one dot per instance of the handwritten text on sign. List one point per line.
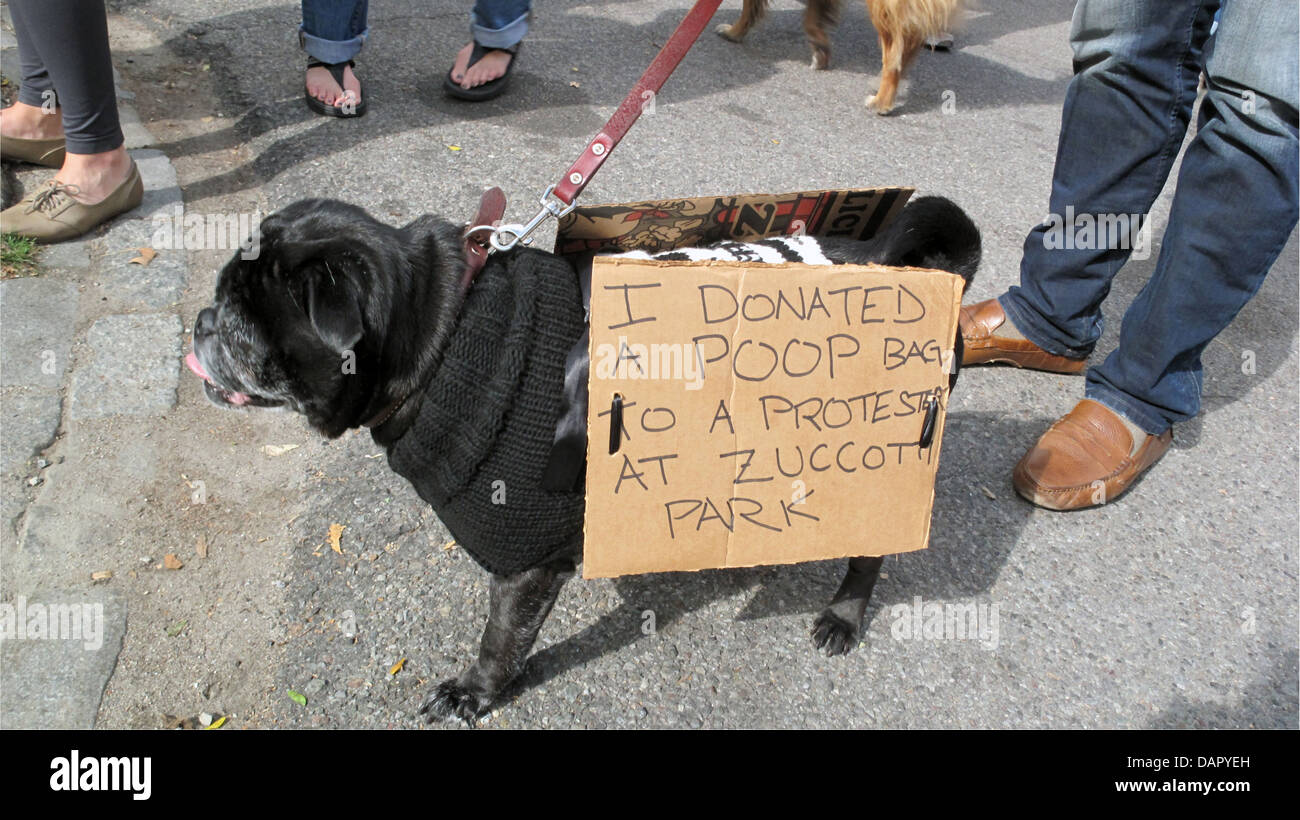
(771, 414)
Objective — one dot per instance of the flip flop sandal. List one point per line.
(488, 90)
(346, 110)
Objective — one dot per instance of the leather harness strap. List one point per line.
(491, 208)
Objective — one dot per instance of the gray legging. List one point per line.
(63, 48)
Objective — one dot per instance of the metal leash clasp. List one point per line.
(507, 237)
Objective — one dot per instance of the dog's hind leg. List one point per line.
(819, 16)
(749, 15)
(519, 605)
(896, 53)
(839, 625)
(891, 71)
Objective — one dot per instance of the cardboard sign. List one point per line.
(771, 414)
(668, 224)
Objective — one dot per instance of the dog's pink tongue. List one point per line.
(192, 362)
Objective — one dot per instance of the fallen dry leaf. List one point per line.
(146, 256)
(201, 548)
(989, 493)
(449, 546)
(453, 147)
(336, 537)
(397, 667)
(278, 449)
(102, 575)
(188, 723)
(216, 724)
(170, 561)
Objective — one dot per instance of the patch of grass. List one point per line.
(17, 255)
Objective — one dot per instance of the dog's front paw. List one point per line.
(453, 699)
(834, 635)
(727, 32)
(874, 103)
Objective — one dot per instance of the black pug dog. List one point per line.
(355, 323)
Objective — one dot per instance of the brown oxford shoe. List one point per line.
(1085, 459)
(980, 321)
(52, 214)
(47, 152)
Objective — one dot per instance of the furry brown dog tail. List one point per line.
(902, 26)
(915, 18)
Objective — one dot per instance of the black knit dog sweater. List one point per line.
(480, 443)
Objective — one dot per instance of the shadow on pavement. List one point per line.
(962, 561)
(403, 66)
(1270, 703)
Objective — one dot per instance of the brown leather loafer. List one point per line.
(1083, 460)
(51, 214)
(38, 152)
(980, 321)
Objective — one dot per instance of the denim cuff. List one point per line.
(1026, 321)
(331, 51)
(1126, 406)
(505, 37)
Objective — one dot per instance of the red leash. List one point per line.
(483, 237)
(661, 68)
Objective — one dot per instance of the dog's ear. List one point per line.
(325, 266)
(293, 254)
(333, 310)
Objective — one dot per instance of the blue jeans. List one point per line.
(333, 31)
(499, 23)
(1125, 115)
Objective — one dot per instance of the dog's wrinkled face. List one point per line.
(301, 326)
(338, 316)
(256, 346)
